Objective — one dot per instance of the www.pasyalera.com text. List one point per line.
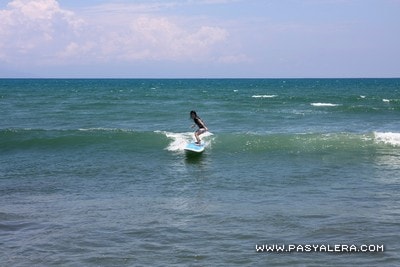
(336, 248)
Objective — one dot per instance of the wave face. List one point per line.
(114, 139)
(96, 138)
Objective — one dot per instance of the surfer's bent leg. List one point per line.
(199, 132)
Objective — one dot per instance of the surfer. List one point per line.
(202, 127)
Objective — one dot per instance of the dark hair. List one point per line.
(193, 113)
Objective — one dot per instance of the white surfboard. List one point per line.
(192, 146)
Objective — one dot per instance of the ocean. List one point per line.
(296, 172)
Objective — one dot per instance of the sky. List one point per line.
(199, 38)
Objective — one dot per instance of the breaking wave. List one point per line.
(127, 139)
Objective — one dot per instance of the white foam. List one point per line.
(264, 96)
(180, 140)
(387, 138)
(386, 100)
(324, 105)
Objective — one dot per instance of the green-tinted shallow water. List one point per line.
(93, 172)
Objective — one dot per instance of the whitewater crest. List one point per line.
(180, 140)
(388, 138)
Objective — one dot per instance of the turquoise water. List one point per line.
(93, 172)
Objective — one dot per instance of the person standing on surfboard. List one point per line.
(202, 127)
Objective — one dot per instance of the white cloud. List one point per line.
(35, 10)
(33, 29)
(40, 32)
(146, 38)
(138, 32)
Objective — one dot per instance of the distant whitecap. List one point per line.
(264, 96)
(324, 105)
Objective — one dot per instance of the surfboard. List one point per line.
(193, 147)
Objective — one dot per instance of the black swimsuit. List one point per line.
(199, 123)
